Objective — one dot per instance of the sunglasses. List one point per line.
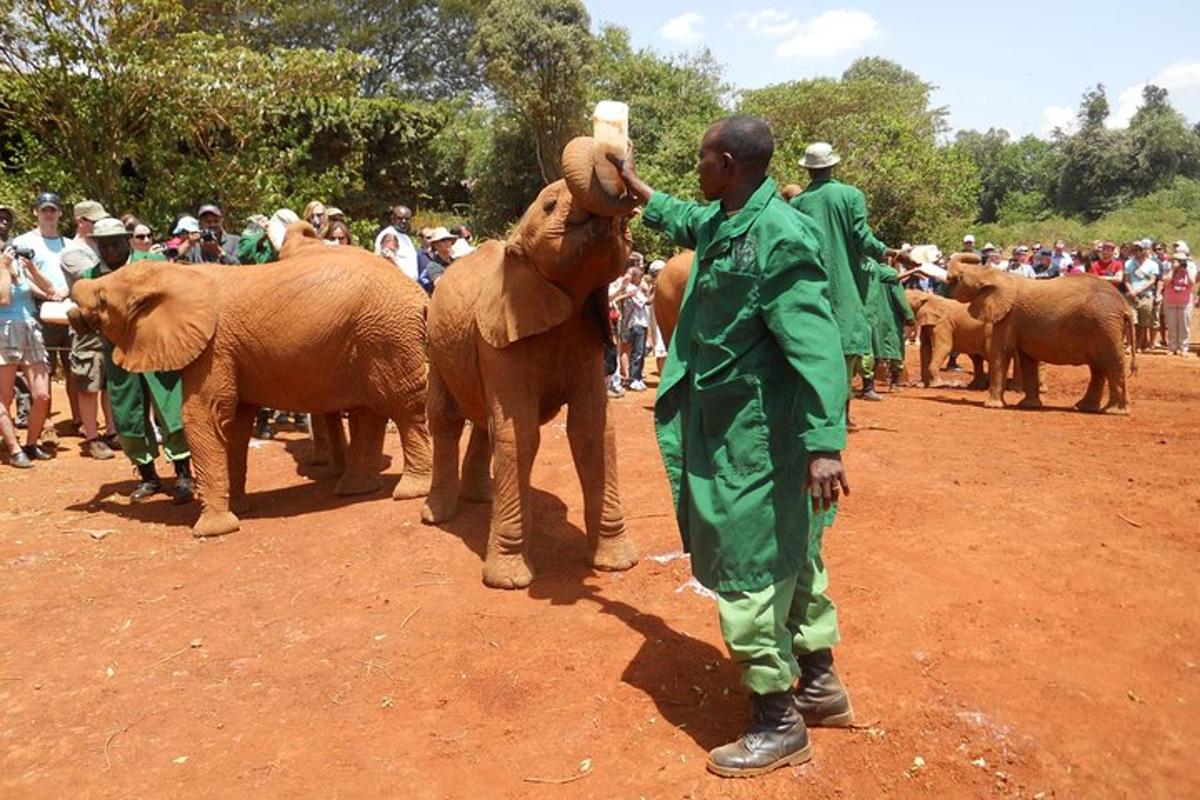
(141, 236)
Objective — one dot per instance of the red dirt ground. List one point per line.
(1018, 593)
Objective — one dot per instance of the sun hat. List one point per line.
(186, 225)
(1180, 247)
(656, 266)
(109, 228)
(989, 246)
(440, 234)
(89, 210)
(333, 212)
(819, 155)
(1145, 244)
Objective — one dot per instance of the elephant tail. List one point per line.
(1129, 331)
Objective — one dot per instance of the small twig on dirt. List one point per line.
(650, 516)
(411, 614)
(557, 781)
(431, 583)
(12, 678)
(165, 659)
(1124, 518)
(862, 726)
(875, 428)
(112, 735)
(369, 664)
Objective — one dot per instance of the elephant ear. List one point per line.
(994, 298)
(169, 314)
(516, 302)
(932, 313)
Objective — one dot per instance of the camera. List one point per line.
(22, 252)
(208, 236)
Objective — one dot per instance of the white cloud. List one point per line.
(828, 34)
(1181, 80)
(1057, 117)
(771, 22)
(684, 29)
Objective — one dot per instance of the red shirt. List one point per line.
(1111, 267)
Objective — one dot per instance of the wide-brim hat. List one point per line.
(819, 155)
(440, 235)
(109, 228)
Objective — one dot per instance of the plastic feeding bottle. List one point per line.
(610, 131)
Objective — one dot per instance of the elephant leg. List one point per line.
(365, 453)
(207, 420)
(1030, 381)
(1095, 388)
(238, 447)
(997, 369)
(445, 424)
(418, 451)
(514, 444)
(329, 441)
(979, 381)
(926, 337)
(940, 351)
(594, 448)
(477, 467)
(1114, 371)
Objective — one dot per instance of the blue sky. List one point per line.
(1020, 65)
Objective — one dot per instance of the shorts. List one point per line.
(21, 342)
(56, 336)
(87, 367)
(1145, 312)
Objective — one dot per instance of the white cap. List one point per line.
(440, 234)
(277, 226)
(1182, 247)
(819, 155)
(1145, 244)
(657, 265)
(970, 237)
(990, 246)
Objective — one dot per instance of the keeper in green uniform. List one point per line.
(840, 213)
(890, 312)
(750, 419)
(133, 393)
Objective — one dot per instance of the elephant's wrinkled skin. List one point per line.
(1077, 319)
(323, 330)
(944, 327)
(668, 292)
(515, 333)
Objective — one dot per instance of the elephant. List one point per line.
(943, 327)
(516, 332)
(1075, 319)
(668, 292)
(322, 330)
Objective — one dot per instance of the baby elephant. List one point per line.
(944, 327)
(1077, 319)
(324, 330)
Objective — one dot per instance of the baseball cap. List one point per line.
(108, 227)
(1021, 249)
(89, 210)
(656, 266)
(333, 212)
(186, 225)
(1180, 247)
(1045, 252)
(1109, 244)
(970, 237)
(47, 199)
(1145, 244)
(209, 208)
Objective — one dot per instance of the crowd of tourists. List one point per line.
(39, 266)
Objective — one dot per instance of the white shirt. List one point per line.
(405, 256)
(638, 309)
(45, 255)
(1024, 270)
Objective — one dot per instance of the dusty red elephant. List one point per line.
(515, 333)
(323, 330)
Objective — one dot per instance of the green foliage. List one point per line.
(1029, 165)
(1023, 206)
(887, 137)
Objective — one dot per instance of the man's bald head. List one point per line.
(746, 138)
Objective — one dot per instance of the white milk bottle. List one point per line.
(610, 130)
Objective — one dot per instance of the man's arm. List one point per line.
(678, 219)
(797, 312)
(864, 238)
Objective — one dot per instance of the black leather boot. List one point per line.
(150, 485)
(777, 738)
(868, 390)
(185, 484)
(821, 697)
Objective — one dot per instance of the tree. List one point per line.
(1160, 144)
(1029, 165)
(536, 56)
(1095, 174)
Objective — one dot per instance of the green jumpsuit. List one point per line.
(840, 213)
(754, 383)
(132, 394)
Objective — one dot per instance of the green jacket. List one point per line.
(754, 382)
(840, 212)
(888, 310)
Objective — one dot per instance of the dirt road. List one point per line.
(1018, 593)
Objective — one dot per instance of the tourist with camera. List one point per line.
(22, 346)
(213, 245)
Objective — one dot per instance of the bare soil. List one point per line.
(1018, 594)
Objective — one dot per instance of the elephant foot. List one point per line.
(1011, 385)
(357, 484)
(615, 553)
(439, 507)
(476, 491)
(507, 571)
(1028, 402)
(238, 504)
(411, 486)
(1120, 411)
(1092, 407)
(215, 523)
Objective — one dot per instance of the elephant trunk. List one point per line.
(78, 322)
(579, 171)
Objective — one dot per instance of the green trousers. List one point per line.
(133, 394)
(765, 629)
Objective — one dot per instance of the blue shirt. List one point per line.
(21, 307)
(45, 255)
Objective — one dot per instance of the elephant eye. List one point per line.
(550, 205)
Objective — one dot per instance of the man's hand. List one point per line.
(637, 188)
(826, 477)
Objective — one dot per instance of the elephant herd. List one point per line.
(514, 332)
